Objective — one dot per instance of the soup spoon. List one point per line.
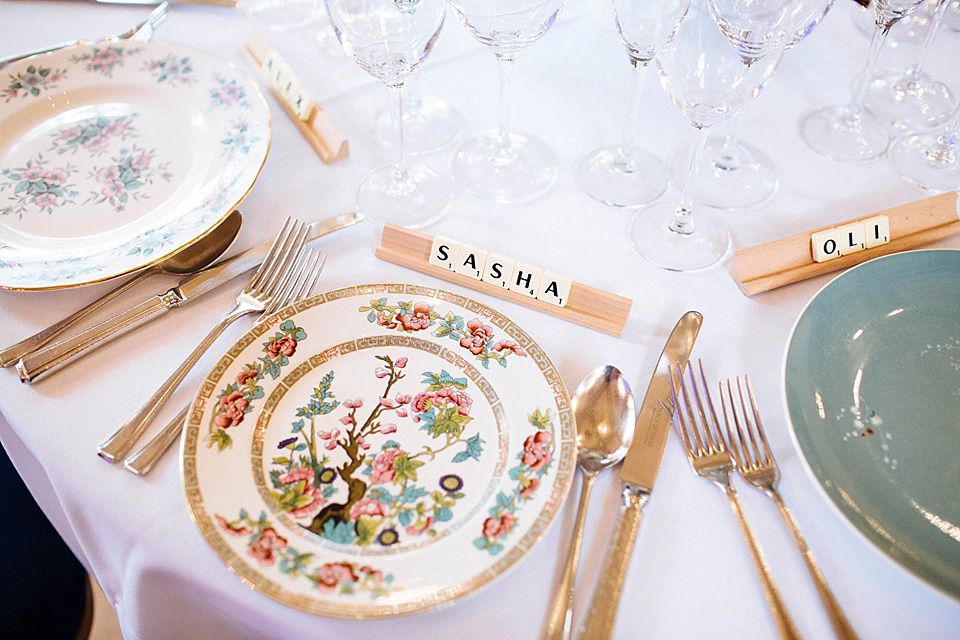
(604, 412)
(190, 259)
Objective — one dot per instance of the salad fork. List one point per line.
(141, 32)
(283, 261)
(141, 462)
(757, 466)
(711, 459)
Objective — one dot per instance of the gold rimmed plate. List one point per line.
(378, 450)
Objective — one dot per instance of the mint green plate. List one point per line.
(872, 391)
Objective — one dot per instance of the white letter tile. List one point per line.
(853, 237)
(525, 279)
(498, 270)
(878, 231)
(470, 261)
(444, 252)
(554, 288)
(826, 245)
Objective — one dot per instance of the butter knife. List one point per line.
(51, 358)
(638, 474)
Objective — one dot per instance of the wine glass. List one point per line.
(710, 70)
(851, 133)
(930, 159)
(502, 165)
(624, 175)
(913, 99)
(429, 122)
(390, 39)
(733, 173)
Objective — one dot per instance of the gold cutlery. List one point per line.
(142, 32)
(283, 261)
(710, 458)
(143, 460)
(189, 260)
(639, 472)
(758, 467)
(604, 412)
(51, 358)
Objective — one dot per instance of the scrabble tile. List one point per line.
(826, 245)
(554, 288)
(853, 238)
(498, 270)
(877, 231)
(525, 279)
(302, 104)
(470, 261)
(444, 252)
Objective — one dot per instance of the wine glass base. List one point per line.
(653, 239)
(429, 124)
(919, 160)
(727, 180)
(520, 171)
(609, 176)
(838, 134)
(909, 104)
(413, 202)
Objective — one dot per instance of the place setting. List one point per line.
(385, 425)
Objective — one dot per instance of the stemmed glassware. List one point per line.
(718, 60)
(502, 165)
(913, 99)
(390, 39)
(625, 175)
(930, 159)
(733, 173)
(429, 123)
(851, 133)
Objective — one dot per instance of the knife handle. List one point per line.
(602, 614)
(39, 363)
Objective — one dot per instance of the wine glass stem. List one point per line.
(629, 136)
(683, 219)
(863, 82)
(915, 73)
(727, 159)
(506, 75)
(944, 152)
(396, 103)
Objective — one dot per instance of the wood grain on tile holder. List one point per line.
(585, 305)
(788, 260)
(314, 123)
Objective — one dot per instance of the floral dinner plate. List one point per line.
(114, 156)
(378, 450)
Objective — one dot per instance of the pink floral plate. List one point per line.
(378, 450)
(114, 156)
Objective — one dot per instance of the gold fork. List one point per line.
(710, 458)
(757, 466)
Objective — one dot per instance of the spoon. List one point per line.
(604, 412)
(189, 259)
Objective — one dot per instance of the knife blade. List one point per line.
(638, 474)
(53, 357)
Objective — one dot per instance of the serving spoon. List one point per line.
(603, 409)
(190, 259)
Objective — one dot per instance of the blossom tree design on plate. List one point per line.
(120, 181)
(93, 135)
(31, 82)
(236, 399)
(381, 497)
(472, 335)
(105, 60)
(267, 546)
(534, 463)
(38, 186)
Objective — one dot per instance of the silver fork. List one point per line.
(143, 460)
(283, 261)
(710, 458)
(757, 466)
(138, 33)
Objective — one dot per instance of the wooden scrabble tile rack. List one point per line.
(585, 305)
(788, 260)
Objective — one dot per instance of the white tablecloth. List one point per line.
(691, 573)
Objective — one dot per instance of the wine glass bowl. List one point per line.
(390, 40)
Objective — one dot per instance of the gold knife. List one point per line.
(638, 474)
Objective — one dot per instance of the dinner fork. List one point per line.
(283, 261)
(142, 32)
(710, 458)
(143, 460)
(757, 466)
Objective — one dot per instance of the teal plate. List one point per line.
(872, 391)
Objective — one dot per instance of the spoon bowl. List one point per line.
(604, 412)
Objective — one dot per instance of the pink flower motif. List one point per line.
(112, 189)
(233, 530)
(402, 362)
(233, 406)
(401, 412)
(528, 490)
(140, 162)
(347, 420)
(263, 547)
(382, 470)
(45, 200)
(381, 372)
(403, 398)
(417, 320)
(506, 523)
(376, 574)
(56, 176)
(71, 133)
(367, 507)
(363, 443)
(387, 403)
(534, 453)
(96, 144)
(459, 398)
(306, 476)
(33, 174)
(330, 446)
(491, 527)
(333, 434)
(414, 530)
(108, 174)
(330, 575)
(285, 345)
(388, 428)
(353, 404)
(384, 322)
(104, 57)
(479, 334)
(246, 374)
(512, 346)
(116, 128)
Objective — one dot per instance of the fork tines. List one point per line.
(696, 409)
